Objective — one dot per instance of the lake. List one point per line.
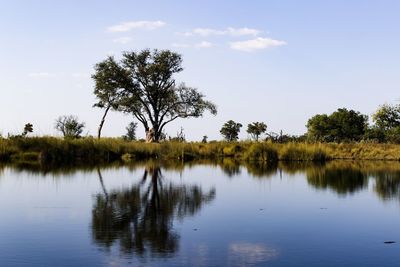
(341, 213)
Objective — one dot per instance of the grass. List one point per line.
(52, 150)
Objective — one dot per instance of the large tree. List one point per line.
(145, 86)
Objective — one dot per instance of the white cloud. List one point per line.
(204, 44)
(204, 32)
(39, 75)
(207, 32)
(242, 31)
(122, 40)
(130, 25)
(180, 45)
(256, 44)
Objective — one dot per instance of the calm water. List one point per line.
(338, 214)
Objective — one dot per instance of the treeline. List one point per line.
(343, 125)
(349, 125)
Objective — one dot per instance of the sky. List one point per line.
(280, 62)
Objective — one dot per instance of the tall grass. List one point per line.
(56, 150)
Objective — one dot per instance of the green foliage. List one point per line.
(110, 81)
(387, 125)
(230, 130)
(387, 117)
(143, 84)
(255, 129)
(69, 126)
(28, 128)
(341, 125)
(130, 132)
(392, 135)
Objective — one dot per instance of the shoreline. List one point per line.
(52, 150)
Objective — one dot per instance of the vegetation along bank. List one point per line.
(58, 151)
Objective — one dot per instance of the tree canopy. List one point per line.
(28, 128)
(143, 84)
(255, 129)
(69, 126)
(387, 117)
(341, 125)
(230, 130)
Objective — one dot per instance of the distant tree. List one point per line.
(318, 127)
(130, 132)
(230, 130)
(387, 117)
(180, 136)
(204, 140)
(69, 126)
(28, 128)
(255, 129)
(341, 125)
(144, 85)
(348, 124)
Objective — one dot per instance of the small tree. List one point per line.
(255, 129)
(28, 128)
(130, 132)
(69, 126)
(204, 140)
(230, 130)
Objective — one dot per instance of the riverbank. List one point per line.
(90, 150)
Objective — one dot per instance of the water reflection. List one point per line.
(141, 217)
(341, 177)
(345, 180)
(230, 167)
(248, 254)
(387, 184)
(261, 169)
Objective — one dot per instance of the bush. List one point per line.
(261, 152)
(302, 152)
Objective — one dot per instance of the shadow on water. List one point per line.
(140, 218)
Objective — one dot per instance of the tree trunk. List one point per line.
(150, 136)
(102, 184)
(103, 119)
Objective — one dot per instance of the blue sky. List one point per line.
(279, 62)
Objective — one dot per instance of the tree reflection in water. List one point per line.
(387, 184)
(141, 217)
(341, 180)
